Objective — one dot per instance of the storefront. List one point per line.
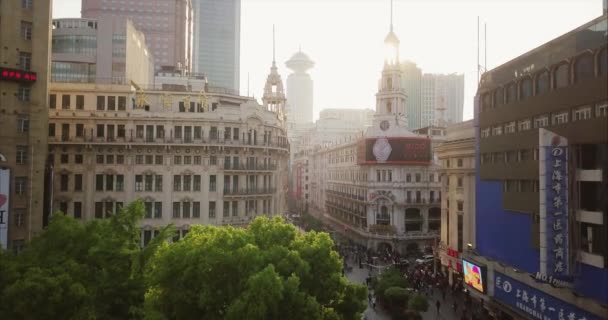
(451, 264)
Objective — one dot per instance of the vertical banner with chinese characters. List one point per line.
(4, 205)
(553, 171)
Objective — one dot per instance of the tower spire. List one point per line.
(391, 15)
(273, 47)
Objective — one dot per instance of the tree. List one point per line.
(266, 271)
(76, 270)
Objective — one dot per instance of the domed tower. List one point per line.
(300, 90)
(274, 95)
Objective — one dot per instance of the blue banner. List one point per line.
(556, 193)
(535, 303)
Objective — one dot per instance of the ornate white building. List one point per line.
(193, 157)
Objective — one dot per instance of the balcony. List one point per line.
(249, 167)
(250, 192)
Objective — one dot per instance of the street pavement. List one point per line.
(446, 311)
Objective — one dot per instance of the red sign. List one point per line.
(452, 253)
(17, 75)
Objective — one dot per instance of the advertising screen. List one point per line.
(474, 275)
(394, 151)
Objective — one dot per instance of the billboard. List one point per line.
(554, 215)
(5, 175)
(394, 150)
(474, 275)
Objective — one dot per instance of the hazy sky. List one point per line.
(345, 38)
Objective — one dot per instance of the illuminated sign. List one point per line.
(395, 150)
(4, 202)
(474, 275)
(17, 75)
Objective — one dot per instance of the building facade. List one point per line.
(457, 157)
(25, 30)
(217, 41)
(193, 158)
(91, 51)
(542, 179)
(300, 90)
(167, 25)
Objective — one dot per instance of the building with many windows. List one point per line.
(92, 51)
(167, 25)
(192, 157)
(25, 28)
(457, 157)
(542, 179)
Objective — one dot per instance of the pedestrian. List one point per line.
(374, 302)
(455, 306)
(369, 297)
(438, 305)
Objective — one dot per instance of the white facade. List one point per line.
(217, 41)
(192, 157)
(300, 90)
(457, 155)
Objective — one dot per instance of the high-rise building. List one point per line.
(412, 77)
(300, 89)
(25, 30)
(542, 153)
(217, 41)
(91, 51)
(167, 25)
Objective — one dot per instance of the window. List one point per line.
(98, 210)
(78, 158)
(77, 210)
(177, 183)
(187, 160)
(196, 209)
(459, 182)
(101, 103)
(226, 211)
(160, 132)
(541, 121)
(509, 186)
(100, 130)
(583, 68)
(235, 135)
(99, 159)
(149, 159)
(186, 210)
(158, 160)
(602, 62)
(524, 155)
(418, 177)
(23, 125)
(459, 163)
(178, 132)
(499, 97)
(212, 160)
(187, 183)
(177, 160)
(79, 102)
(601, 109)
(176, 210)
(211, 209)
(139, 131)
(139, 159)
(235, 208)
(26, 4)
(485, 132)
(212, 183)
(52, 101)
(63, 182)
(23, 93)
(77, 182)
(561, 76)
(25, 60)
(581, 113)
(460, 205)
(497, 131)
(109, 182)
(26, 30)
(21, 155)
(511, 93)
(139, 182)
(524, 125)
(65, 101)
(65, 158)
(526, 88)
(196, 183)
(560, 118)
(122, 103)
(120, 131)
(158, 210)
(510, 127)
(111, 103)
(542, 82)
(20, 185)
(499, 157)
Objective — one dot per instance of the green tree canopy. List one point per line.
(266, 271)
(78, 271)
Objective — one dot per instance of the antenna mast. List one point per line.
(391, 15)
(273, 46)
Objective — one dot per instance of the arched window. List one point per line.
(542, 82)
(389, 107)
(383, 217)
(511, 93)
(583, 68)
(602, 62)
(526, 88)
(413, 220)
(499, 97)
(561, 76)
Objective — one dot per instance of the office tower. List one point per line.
(24, 37)
(412, 77)
(167, 25)
(300, 89)
(217, 38)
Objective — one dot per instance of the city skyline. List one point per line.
(336, 64)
